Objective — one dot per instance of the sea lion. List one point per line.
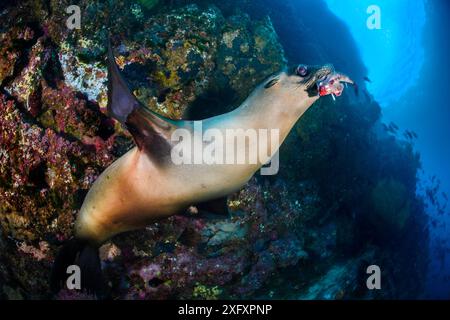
(144, 185)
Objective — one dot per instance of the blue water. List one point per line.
(407, 61)
(394, 53)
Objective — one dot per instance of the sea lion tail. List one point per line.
(150, 130)
(86, 257)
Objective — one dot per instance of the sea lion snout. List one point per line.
(309, 75)
(300, 81)
(320, 80)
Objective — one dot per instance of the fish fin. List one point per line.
(151, 132)
(216, 206)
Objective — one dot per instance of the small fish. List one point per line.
(394, 125)
(366, 78)
(392, 128)
(408, 135)
(333, 84)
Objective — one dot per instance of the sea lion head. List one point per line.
(298, 84)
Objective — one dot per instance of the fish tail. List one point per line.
(86, 257)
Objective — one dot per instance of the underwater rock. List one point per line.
(224, 231)
(248, 52)
(87, 78)
(40, 183)
(338, 283)
(342, 280)
(9, 51)
(322, 241)
(390, 206)
(26, 86)
(287, 251)
(149, 4)
(179, 273)
(203, 292)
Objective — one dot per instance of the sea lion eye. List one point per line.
(301, 70)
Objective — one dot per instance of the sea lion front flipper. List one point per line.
(216, 206)
(150, 131)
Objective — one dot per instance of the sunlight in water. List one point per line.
(393, 54)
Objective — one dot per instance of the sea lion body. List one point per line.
(136, 191)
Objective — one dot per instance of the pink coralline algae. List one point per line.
(176, 274)
(26, 86)
(37, 253)
(9, 54)
(39, 178)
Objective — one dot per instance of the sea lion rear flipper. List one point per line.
(121, 102)
(216, 206)
(150, 131)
